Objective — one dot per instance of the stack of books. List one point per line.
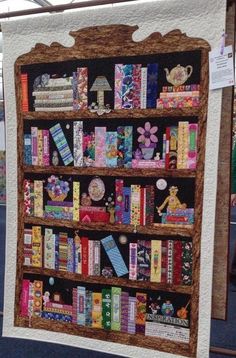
(179, 97)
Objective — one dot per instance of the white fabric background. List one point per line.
(201, 18)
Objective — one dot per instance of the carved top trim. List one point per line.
(111, 41)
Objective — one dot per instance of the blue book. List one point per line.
(27, 149)
(152, 74)
(70, 254)
(128, 146)
(126, 205)
(111, 149)
(56, 252)
(114, 255)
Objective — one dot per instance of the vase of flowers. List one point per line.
(147, 140)
(57, 189)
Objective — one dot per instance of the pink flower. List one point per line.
(147, 134)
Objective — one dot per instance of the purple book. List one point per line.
(67, 204)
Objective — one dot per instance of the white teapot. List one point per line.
(178, 75)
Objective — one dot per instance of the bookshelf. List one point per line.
(91, 45)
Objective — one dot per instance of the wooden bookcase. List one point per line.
(97, 43)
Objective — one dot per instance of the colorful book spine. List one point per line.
(133, 261)
(118, 86)
(34, 145)
(75, 90)
(90, 257)
(143, 94)
(57, 252)
(78, 143)
(177, 271)
(143, 206)
(170, 261)
(192, 145)
(88, 308)
(61, 144)
(119, 183)
(36, 246)
(137, 85)
(152, 74)
(164, 261)
(74, 300)
(156, 261)
(135, 205)
(97, 310)
(78, 253)
(132, 315)
(52, 203)
(106, 308)
(150, 196)
(37, 298)
(167, 154)
(27, 149)
(63, 251)
(56, 316)
(128, 148)
(182, 157)
(141, 302)
(114, 255)
(97, 257)
(85, 257)
(173, 148)
(187, 262)
(76, 200)
(116, 308)
(70, 254)
(24, 298)
(120, 146)
(49, 249)
(164, 148)
(38, 198)
(127, 87)
(100, 147)
(144, 260)
(46, 154)
(24, 89)
(81, 305)
(111, 149)
(126, 205)
(82, 78)
(40, 147)
(124, 311)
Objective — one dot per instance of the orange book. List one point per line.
(24, 87)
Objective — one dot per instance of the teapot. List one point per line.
(178, 75)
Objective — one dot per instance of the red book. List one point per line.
(84, 245)
(164, 261)
(24, 87)
(177, 272)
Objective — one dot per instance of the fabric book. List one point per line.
(61, 144)
(114, 255)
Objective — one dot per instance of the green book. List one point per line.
(115, 308)
(106, 308)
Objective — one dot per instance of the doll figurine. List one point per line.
(172, 201)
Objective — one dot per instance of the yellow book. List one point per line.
(76, 195)
(155, 261)
(97, 310)
(38, 198)
(36, 246)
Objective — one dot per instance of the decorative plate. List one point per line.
(96, 189)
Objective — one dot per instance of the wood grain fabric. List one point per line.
(94, 43)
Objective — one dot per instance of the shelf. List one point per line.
(156, 229)
(114, 281)
(105, 335)
(114, 172)
(117, 113)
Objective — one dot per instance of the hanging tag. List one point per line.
(222, 45)
(221, 67)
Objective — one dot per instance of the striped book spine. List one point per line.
(183, 145)
(61, 144)
(34, 145)
(135, 204)
(164, 261)
(63, 251)
(24, 89)
(115, 308)
(132, 315)
(170, 257)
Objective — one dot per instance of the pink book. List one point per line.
(34, 147)
(46, 160)
(100, 147)
(137, 86)
(24, 299)
(74, 309)
(118, 86)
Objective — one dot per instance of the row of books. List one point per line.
(165, 261)
(180, 146)
(110, 309)
(182, 96)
